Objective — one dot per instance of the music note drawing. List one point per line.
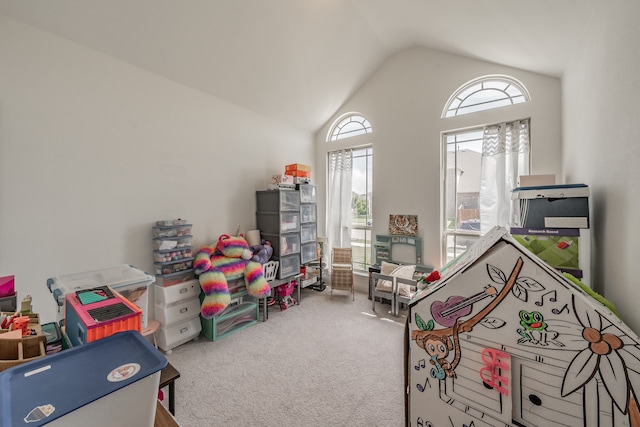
(552, 298)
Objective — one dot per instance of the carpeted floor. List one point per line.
(322, 363)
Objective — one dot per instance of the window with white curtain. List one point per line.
(482, 164)
(349, 190)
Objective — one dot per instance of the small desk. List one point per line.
(168, 375)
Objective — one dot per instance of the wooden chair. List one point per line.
(342, 271)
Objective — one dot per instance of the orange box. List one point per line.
(299, 174)
(297, 167)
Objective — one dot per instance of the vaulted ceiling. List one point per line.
(298, 61)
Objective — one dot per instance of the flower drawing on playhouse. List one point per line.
(610, 356)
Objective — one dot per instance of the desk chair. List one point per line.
(342, 271)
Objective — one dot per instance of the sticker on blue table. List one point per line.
(38, 413)
(123, 372)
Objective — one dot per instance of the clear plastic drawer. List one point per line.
(307, 213)
(307, 193)
(309, 253)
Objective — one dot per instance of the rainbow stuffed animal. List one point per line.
(228, 259)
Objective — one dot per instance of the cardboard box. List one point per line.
(558, 247)
(299, 174)
(537, 180)
(282, 179)
(18, 350)
(297, 167)
(554, 206)
(298, 170)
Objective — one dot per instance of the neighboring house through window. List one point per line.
(349, 189)
(482, 163)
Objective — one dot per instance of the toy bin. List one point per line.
(97, 313)
(110, 382)
(131, 282)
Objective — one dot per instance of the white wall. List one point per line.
(403, 101)
(601, 93)
(93, 151)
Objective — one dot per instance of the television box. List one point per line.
(537, 180)
(129, 281)
(553, 206)
(558, 247)
(111, 382)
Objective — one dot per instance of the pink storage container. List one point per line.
(7, 286)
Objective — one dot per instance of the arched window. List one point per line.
(350, 189)
(482, 162)
(349, 125)
(485, 93)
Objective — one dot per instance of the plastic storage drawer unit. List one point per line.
(111, 382)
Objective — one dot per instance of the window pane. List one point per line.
(494, 84)
(484, 94)
(361, 244)
(362, 186)
(350, 126)
(488, 95)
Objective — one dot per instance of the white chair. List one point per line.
(342, 271)
(380, 292)
(269, 270)
(402, 298)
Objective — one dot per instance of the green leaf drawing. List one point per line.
(422, 325)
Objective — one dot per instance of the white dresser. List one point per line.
(177, 308)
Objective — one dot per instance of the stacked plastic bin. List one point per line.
(177, 303)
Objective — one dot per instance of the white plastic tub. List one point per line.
(110, 382)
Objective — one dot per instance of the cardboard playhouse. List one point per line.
(502, 339)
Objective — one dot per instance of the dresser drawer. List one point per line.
(178, 312)
(173, 336)
(182, 291)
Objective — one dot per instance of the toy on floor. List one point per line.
(226, 260)
(284, 294)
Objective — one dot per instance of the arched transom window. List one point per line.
(348, 126)
(485, 93)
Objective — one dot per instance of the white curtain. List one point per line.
(339, 204)
(505, 156)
